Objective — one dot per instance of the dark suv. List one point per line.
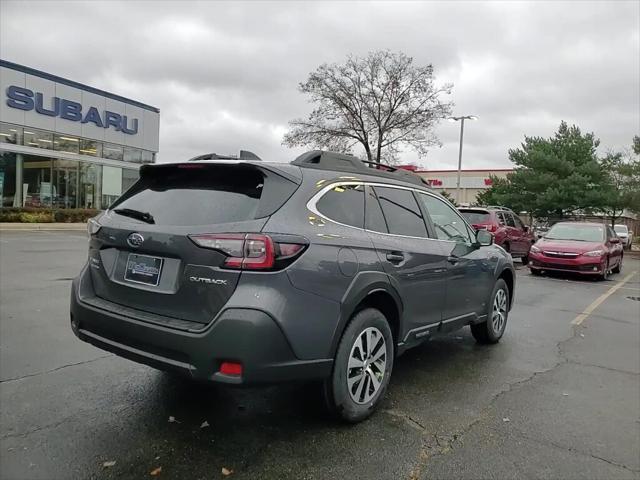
(508, 230)
(247, 272)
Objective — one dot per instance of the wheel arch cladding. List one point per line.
(369, 289)
(507, 276)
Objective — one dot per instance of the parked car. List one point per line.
(248, 272)
(508, 230)
(584, 248)
(624, 234)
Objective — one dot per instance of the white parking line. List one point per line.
(587, 311)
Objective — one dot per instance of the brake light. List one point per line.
(231, 368)
(492, 227)
(249, 251)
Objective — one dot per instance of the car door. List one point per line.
(469, 268)
(615, 248)
(520, 236)
(514, 234)
(415, 263)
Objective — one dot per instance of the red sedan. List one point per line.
(585, 248)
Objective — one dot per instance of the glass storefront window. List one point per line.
(65, 182)
(90, 183)
(129, 177)
(37, 138)
(132, 155)
(37, 188)
(90, 147)
(8, 179)
(111, 185)
(112, 152)
(64, 143)
(10, 133)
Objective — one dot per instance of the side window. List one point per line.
(611, 233)
(501, 218)
(401, 212)
(519, 223)
(510, 221)
(374, 219)
(344, 204)
(448, 223)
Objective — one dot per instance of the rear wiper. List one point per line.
(130, 212)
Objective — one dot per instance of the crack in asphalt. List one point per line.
(610, 369)
(429, 450)
(15, 379)
(522, 435)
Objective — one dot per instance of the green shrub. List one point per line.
(46, 215)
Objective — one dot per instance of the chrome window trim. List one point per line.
(312, 206)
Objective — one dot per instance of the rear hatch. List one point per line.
(478, 218)
(143, 255)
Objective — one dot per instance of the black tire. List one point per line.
(535, 272)
(525, 260)
(338, 398)
(605, 273)
(486, 332)
(507, 248)
(618, 267)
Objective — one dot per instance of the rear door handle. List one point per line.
(395, 257)
(452, 259)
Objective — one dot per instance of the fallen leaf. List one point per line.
(158, 457)
(155, 472)
(565, 394)
(582, 335)
(205, 424)
(108, 464)
(226, 472)
(506, 419)
(173, 420)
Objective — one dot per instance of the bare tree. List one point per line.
(381, 102)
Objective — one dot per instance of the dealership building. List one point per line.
(68, 145)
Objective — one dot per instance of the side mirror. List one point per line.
(484, 238)
(614, 240)
(525, 228)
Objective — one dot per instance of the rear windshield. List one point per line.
(195, 196)
(581, 233)
(475, 217)
(621, 229)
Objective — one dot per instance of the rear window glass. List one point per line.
(344, 204)
(475, 217)
(621, 229)
(196, 196)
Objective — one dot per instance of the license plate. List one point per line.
(143, 269)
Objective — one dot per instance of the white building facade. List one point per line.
(68, 145)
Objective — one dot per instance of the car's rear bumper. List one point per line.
(581, 265)
(247, 336)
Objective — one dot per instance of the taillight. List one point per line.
(250, 251)
(491, 227)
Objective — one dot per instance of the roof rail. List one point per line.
(323, 160)
(497, 207)
(244, 155)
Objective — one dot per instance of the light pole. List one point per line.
(461, 119)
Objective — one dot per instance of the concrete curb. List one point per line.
(30, 227)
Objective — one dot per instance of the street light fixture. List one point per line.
(461, 119)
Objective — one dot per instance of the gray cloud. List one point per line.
(225, 74)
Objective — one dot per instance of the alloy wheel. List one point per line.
(499, 313)
(367, 365)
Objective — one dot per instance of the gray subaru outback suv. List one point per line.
(249, 272)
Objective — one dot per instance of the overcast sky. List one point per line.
(225, 75)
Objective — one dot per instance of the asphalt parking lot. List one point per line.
(552, 400)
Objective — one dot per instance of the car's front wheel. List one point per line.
(492, 329)
(362, 367)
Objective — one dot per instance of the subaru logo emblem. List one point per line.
(135, 240)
